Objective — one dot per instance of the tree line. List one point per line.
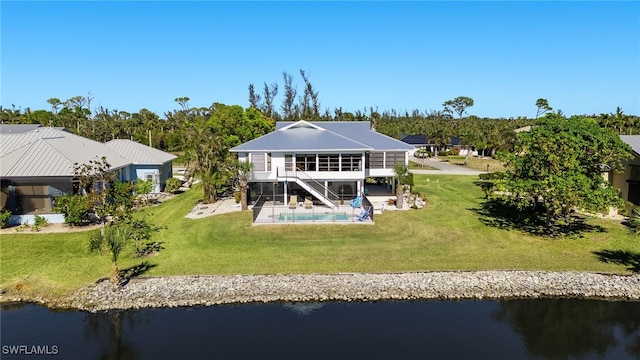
(205, 134)
(168, 132)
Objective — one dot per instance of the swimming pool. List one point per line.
(314, 217)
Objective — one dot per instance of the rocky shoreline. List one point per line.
(178, 291)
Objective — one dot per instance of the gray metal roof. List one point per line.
(17, 128)
(633, 141)
(323, 136)
(139, 153)
(50, 152)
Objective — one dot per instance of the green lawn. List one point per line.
(447, 235)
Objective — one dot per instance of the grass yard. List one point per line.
(447, 235)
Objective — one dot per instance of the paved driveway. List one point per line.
(445, 168)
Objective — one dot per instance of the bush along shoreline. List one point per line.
(184, 291)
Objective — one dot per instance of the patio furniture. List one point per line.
(293, 201)
(364, 215)
(357, 202)
(308, 204)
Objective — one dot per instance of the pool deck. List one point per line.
(380, 203)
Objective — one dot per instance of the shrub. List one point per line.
(4, 218)
(172, 185)
(487, 176)
(236, 196)
(143, 188)
(39, 222)
(121, 199)
(140, 232)
(75, 209)
(407, 179)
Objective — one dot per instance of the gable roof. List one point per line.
(322, 136)
(633, 141)
(139, 153)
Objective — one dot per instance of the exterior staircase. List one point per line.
(311, 185)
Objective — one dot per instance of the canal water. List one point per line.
(504, 329)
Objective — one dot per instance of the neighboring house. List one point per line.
(147, 163)
(629, 181)
(36, 166)
(419, 142)
(456, 143)
(327, 160)
(422, 142)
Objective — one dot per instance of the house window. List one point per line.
(350, 162)
(268, 168)
(288, 162)
(306, 162)
(329, 162)
(257, 159)
(376, 160)
(393, 158)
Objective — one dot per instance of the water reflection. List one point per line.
(560, 329)
(551, 328)
(107, 329)
(303, 308)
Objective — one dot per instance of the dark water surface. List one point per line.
(507, 329)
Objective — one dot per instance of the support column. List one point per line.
(285, 192)
(326, 189)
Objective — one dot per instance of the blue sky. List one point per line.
(584, 57)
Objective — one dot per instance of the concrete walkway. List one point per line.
(445, 168)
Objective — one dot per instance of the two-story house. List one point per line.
(327, 160)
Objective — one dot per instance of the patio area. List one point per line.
(271, 209)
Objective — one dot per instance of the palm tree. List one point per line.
(205, 148)
(401, 170)
(470, 139)
(440, 137)
(115, 238)
(244, 168)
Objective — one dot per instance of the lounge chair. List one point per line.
(357, 202)
(308, 204)
(293, 201)
(364, 215)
